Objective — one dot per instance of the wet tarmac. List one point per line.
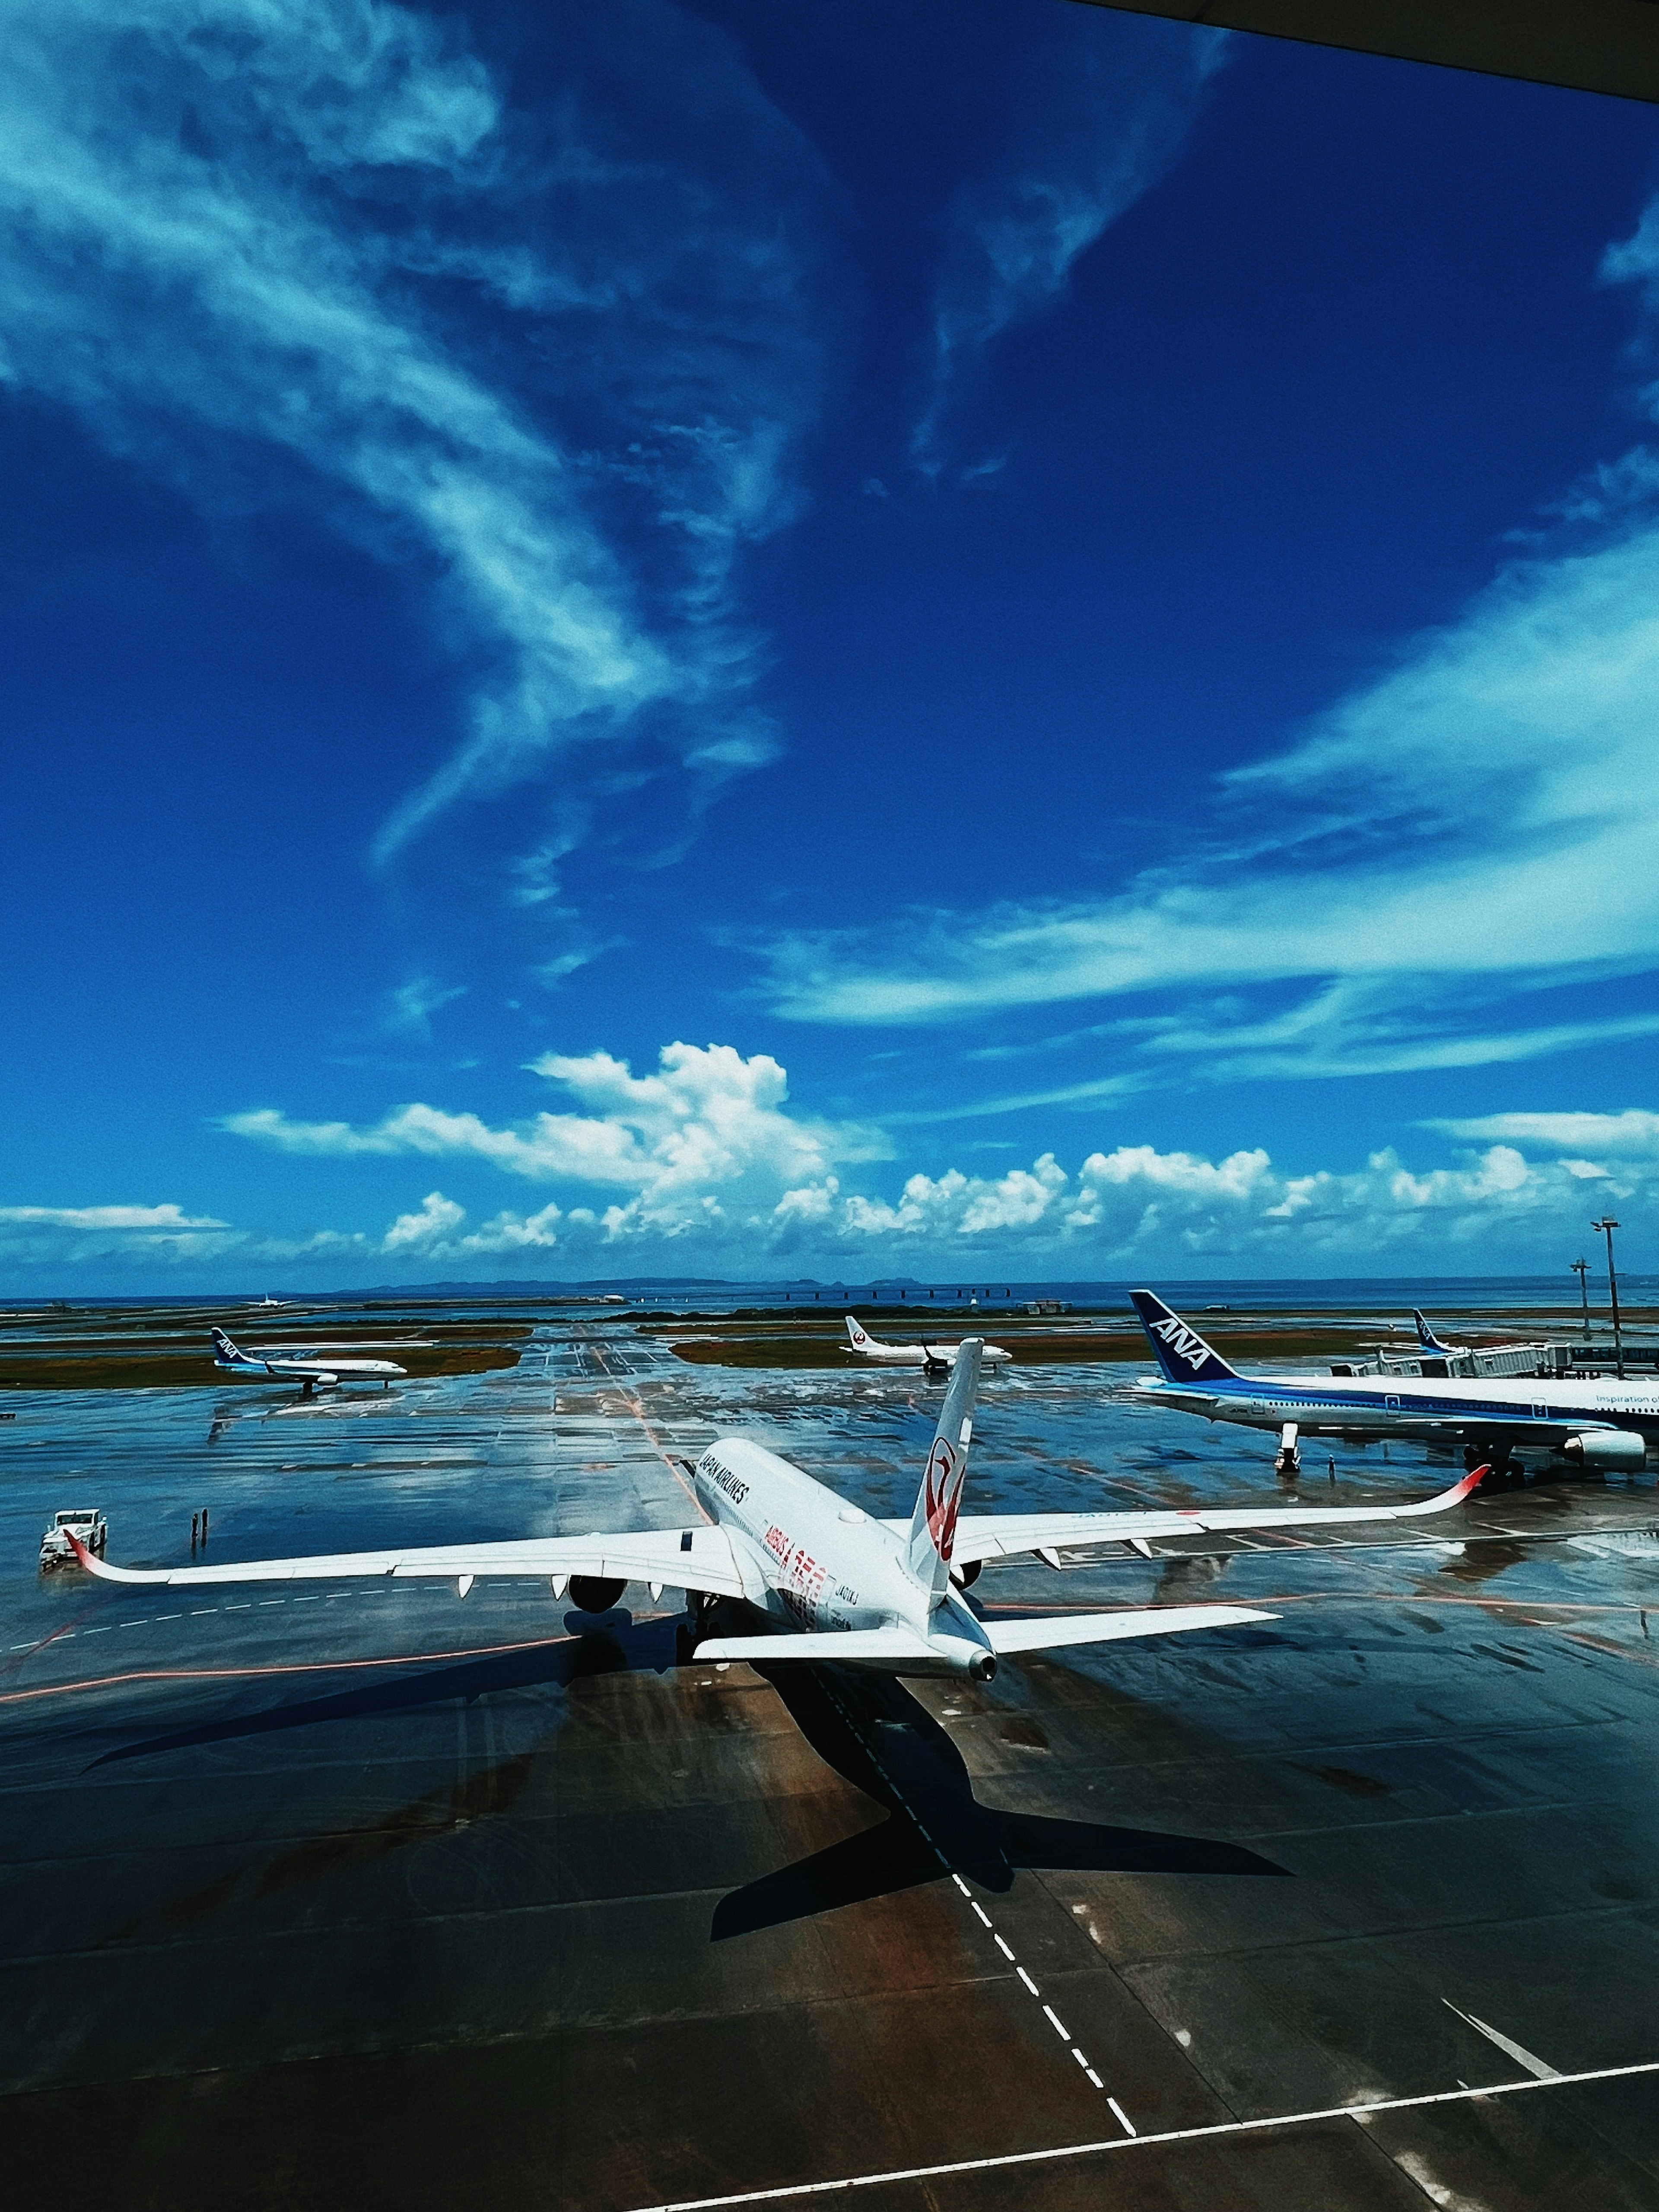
(380, 1896)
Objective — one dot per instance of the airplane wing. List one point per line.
(1005, 1535)
(1009, 1638)
(893, 1646)
(878, 1647)
(702, 1559)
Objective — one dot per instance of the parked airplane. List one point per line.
(1591, 1424)
(309, 1368)
(829, 1581)
(935, 1358)
(1428, 1341)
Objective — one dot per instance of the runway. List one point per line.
(381, 1897)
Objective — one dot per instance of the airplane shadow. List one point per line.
(607, 1643)
(852, 1719)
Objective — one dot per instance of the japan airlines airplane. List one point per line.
(826, 1579)
(309, 1368)
(1603, 1425)
(935, 1358)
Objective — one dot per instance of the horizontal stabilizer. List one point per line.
(869, 1647)
(1011, 1637)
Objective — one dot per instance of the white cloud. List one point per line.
(1635, 1131)
(150, 1220)
(705, 1139)
(1101, 112)
(1480, 823)
(706, 1154)
(411, 1007)
(314, 255)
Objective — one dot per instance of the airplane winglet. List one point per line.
(103, 1572)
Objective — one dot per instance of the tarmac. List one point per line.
(377, 1896)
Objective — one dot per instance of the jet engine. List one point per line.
(1612, 1449)
(596, 1593)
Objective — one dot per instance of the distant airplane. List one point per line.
(310, 1369)
(935, 1358)
(1603, 1425)
(831, 1582)
(1428, 1341)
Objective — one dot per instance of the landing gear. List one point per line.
(1504, 1471)
(1288, 1461)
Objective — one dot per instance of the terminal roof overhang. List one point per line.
(1593, 45)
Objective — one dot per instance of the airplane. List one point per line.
(308, 1369)
(935, 1359)
(826, 1580)
(1592, 1424)
(1428, 1341)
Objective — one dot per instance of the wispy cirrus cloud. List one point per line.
(124, 1221)
(1094, 124)
(550, 363)
(1475, 825)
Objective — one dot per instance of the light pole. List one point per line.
(1608, 1224)
(1581, 1268)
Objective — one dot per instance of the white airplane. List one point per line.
(1591, 1424)
(828, 1581)
(311, 1370)
(935, 1358)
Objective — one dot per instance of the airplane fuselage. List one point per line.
(315, 1370)
(1540, 1410)
(824, 1564)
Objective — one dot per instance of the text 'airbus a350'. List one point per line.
(1603, 1425)
(822, 1579)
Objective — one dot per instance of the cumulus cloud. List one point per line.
(1098, 119)
(704, 1139)
(315, 253)
(706, 1153)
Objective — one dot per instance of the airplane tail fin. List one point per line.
(223, 1346)
(861, 1338)
(934, 1523)
(1425, 1336)
(1181, 1351)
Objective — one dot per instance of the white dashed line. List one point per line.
(1118, 2113)
(1003, 1948)
(980, 1913)
(1055, 2022)
(1094, 2077)
(1028, 1982)
(956, 1878)
(203, 1611)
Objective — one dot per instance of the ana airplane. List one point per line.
(1589, 1424)
(935, 1358)
(311, 1370)
(826, 1580)
(1428, 1341)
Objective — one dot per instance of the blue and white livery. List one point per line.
(1591, 1424)
(311, 1370)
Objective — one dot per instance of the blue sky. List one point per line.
(751, 640)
